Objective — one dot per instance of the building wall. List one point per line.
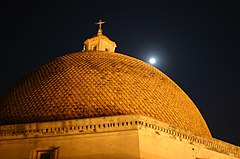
(114, 145)
(164, 146)
(116, 137)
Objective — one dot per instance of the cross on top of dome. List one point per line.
(100, 26)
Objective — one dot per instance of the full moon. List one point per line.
(152, 60)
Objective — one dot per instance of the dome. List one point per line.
(97, 84)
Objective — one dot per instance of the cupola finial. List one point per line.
(100, 26)
(99, 42)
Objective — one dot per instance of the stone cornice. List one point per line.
(111, 124)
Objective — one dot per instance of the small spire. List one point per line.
(100, 26)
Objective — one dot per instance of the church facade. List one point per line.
(100, 104)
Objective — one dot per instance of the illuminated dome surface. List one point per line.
(97, 84)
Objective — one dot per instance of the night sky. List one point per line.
(196, 43)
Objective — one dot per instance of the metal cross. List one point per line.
(100, 23)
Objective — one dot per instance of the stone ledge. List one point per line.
(110, 124)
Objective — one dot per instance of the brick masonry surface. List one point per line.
(97, 84)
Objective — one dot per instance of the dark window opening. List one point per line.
(45, 156)
(51, 153)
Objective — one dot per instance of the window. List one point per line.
(46, 155)
(49, 153)
(95, 48)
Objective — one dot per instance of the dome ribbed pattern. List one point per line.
(96, 84)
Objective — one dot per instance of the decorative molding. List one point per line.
(112, 124)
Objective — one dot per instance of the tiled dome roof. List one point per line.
(96, 84)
